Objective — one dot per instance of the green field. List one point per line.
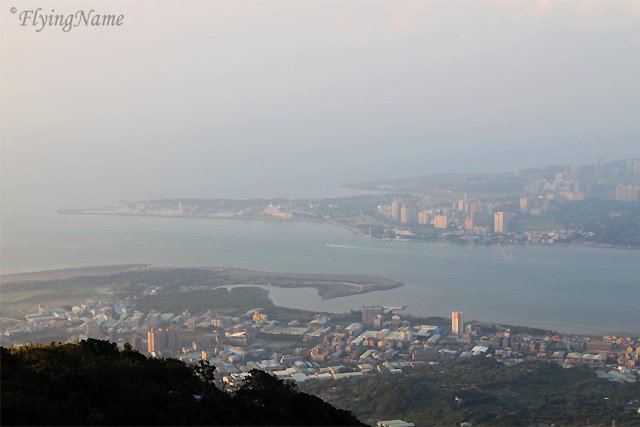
(231, 301)
(25, 300)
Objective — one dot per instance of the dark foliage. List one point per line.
(488, 393)
(612, 222)
(94, 383)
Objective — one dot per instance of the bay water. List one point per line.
(569, 289)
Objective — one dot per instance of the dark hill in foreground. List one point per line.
(94, 383)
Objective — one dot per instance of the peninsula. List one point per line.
(69, 286)
(593, 205)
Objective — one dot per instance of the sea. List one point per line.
(569, 289)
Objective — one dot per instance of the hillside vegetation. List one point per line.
(94, 383)
(488, 394)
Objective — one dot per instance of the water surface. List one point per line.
(571, 289)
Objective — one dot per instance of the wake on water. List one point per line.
(332, 245)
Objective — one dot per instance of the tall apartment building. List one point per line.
(163, 340)
(457, 323)
(627, 193)
(408, 213)
(440, 221)
(499, 223)
(423, 218)
(396, 205)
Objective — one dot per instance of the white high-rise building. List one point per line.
(499, 223)
(457, 323)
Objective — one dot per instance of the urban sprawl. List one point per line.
(583, 204)
(375, 340)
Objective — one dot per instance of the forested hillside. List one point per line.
(487, 393)
(94, 383)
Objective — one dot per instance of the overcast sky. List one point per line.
(238, 99)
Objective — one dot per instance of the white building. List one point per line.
(499, 223)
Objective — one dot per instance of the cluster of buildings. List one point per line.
(627, 193)
(514, 208)
(405, 212)
(323, 347)
(506, 217)
(465, 217)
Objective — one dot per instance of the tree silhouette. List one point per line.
(94, 383)
(205, 371)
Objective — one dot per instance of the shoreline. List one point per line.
(352, 229)
(69, 272)
(327, 286)
(324, 289)
(242, 274)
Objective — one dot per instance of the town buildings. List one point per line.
(164, 341)
(322, 346)
(370, 314)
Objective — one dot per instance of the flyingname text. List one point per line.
(40, 20)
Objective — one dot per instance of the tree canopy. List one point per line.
(94, 383)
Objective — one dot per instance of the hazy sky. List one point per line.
(219, 99)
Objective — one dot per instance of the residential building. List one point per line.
(408, 213)
(163, 340)
(499, 223)
(370, 313)
(440, 221)
(457, 323)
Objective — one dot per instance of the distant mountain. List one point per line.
(94, 383)
(488, 183)
(459, 183)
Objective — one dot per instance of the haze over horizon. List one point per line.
(247, 99)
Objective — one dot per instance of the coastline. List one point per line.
(352, 229)
(327, 286)
(326, 290)
(427, 290)
(68, 273)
